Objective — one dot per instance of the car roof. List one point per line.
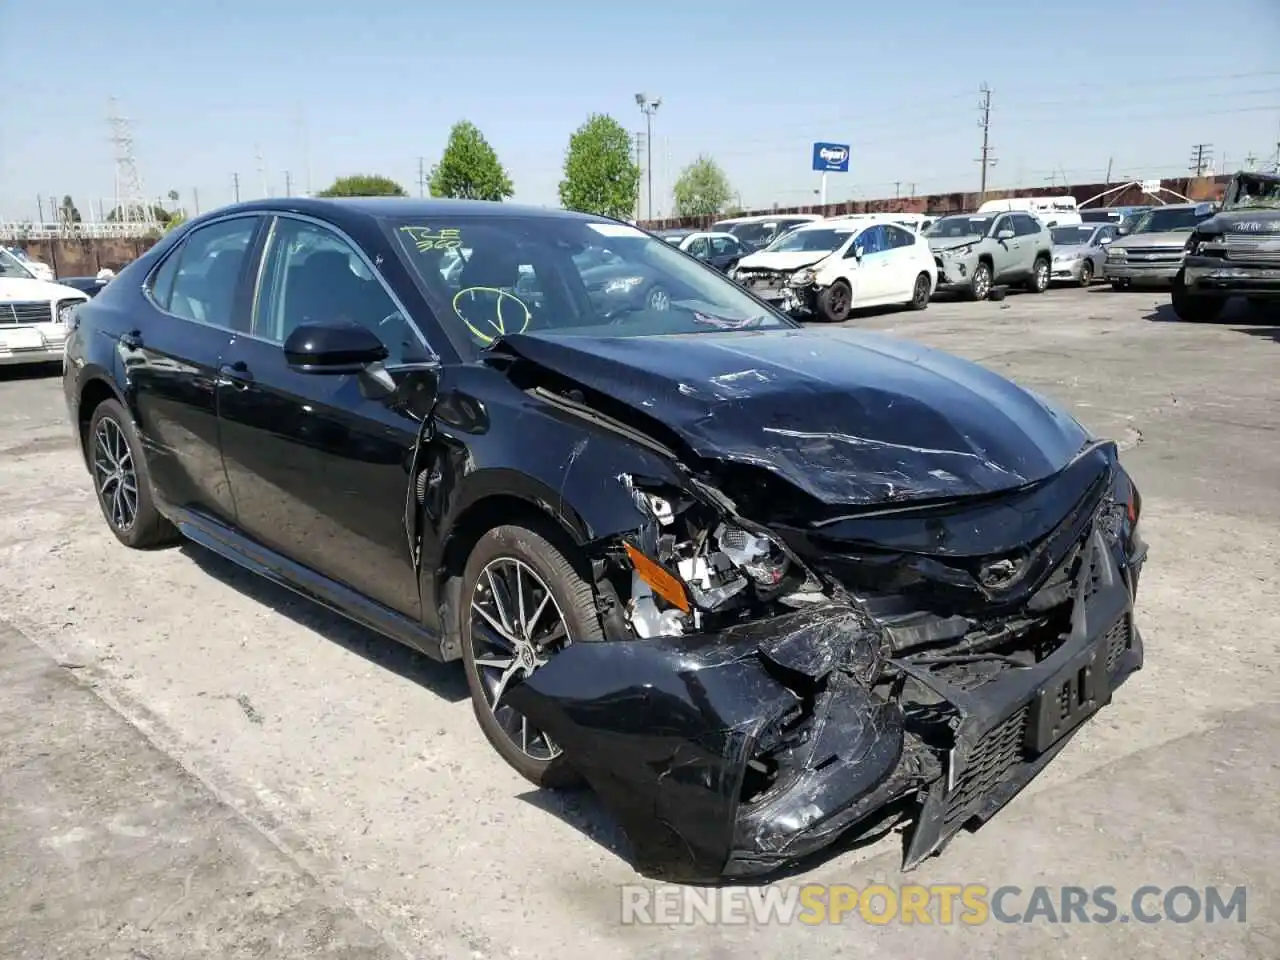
(343, 210)
(770, 217)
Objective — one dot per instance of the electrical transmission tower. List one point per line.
(1201, 158)
(984, 121)
(132, 205)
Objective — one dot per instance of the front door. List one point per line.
(1005, 257)
(198, 299)
(874, 274)
(321, 464)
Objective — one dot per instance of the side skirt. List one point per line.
(341, 599)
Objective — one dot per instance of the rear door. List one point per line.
(199, 298)
(320, 463)
(874, 272)
(903, 268)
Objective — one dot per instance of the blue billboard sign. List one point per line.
(831, 157)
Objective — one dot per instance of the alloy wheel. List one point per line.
(114, 474)
(659, 299)
(982, 284)
(516, 625)
(1042, 275)
(921, 296)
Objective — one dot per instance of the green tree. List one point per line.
(469, 168)
(702, 189)
(363, 185)
(175, 221)
(600, 175)
(67, 211)
(137, 214)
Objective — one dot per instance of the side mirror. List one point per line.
(858, 252)
(338, 347)
(1005, 234)
(1123, 231)
(1105, 240)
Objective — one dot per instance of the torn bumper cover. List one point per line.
(734, 754)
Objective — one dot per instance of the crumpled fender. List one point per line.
(662, 729)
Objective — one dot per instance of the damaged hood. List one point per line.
(848, 417)
(788, 260)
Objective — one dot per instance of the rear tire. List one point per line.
(835, 302)
(921, 292)
(1039, 281)
(121, 480)
(544, 571)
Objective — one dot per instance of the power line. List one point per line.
(1201, 156)
(984, 111)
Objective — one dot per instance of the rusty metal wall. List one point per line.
(84, 258)
(1203, 188)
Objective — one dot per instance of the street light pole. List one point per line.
(648, 107)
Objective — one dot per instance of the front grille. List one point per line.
(762, 280)
(987, 766)
(1155, 254)
(34, 311)
(1257, 249)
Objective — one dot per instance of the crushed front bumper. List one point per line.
(955, 273)
(735, 754)
(1205, 276)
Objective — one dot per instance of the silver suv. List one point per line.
(976, 251)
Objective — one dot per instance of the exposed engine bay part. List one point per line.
(777, 687)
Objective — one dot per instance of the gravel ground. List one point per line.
(196, 763)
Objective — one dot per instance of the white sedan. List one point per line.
(33, 314)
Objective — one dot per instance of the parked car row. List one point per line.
(34, 313)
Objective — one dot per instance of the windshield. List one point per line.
(816, 241)
(961, 226)
(1248, 191)
(1071, 236)
(565, 276)
(11, 268)
(1168, 220)
(754, 235)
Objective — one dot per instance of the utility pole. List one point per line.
(913, 190)
(1108, 181)
(422, 177)
(648, 106)
(1201, 155)
(288, 184)
(897, 189)
(235, 186)
(639, 148)
(195, 200)
(984, 110)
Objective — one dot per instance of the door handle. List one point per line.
(131, 340)
(235, 375)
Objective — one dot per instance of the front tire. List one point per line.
(921, 292)
(1039, 281)
(835, 302)
(522, 602)
(980, 283)
(1086, 273)
(121, 480)
(1119, 285)
(1193, 309)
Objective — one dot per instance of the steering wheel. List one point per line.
(494, 321)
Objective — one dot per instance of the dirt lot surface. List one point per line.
(194, 763)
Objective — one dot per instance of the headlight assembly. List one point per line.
(67, 312)
(802, 278)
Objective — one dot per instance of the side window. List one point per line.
(1002, 223)
(872, 240)
(208, 267)
(699, 248)
(899, 238)
(160, 285)
(721, 246)
(312, 275)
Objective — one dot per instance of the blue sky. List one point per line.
(342, 87)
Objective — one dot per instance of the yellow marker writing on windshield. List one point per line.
(497, 323)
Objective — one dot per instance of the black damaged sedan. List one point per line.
(761, 588)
